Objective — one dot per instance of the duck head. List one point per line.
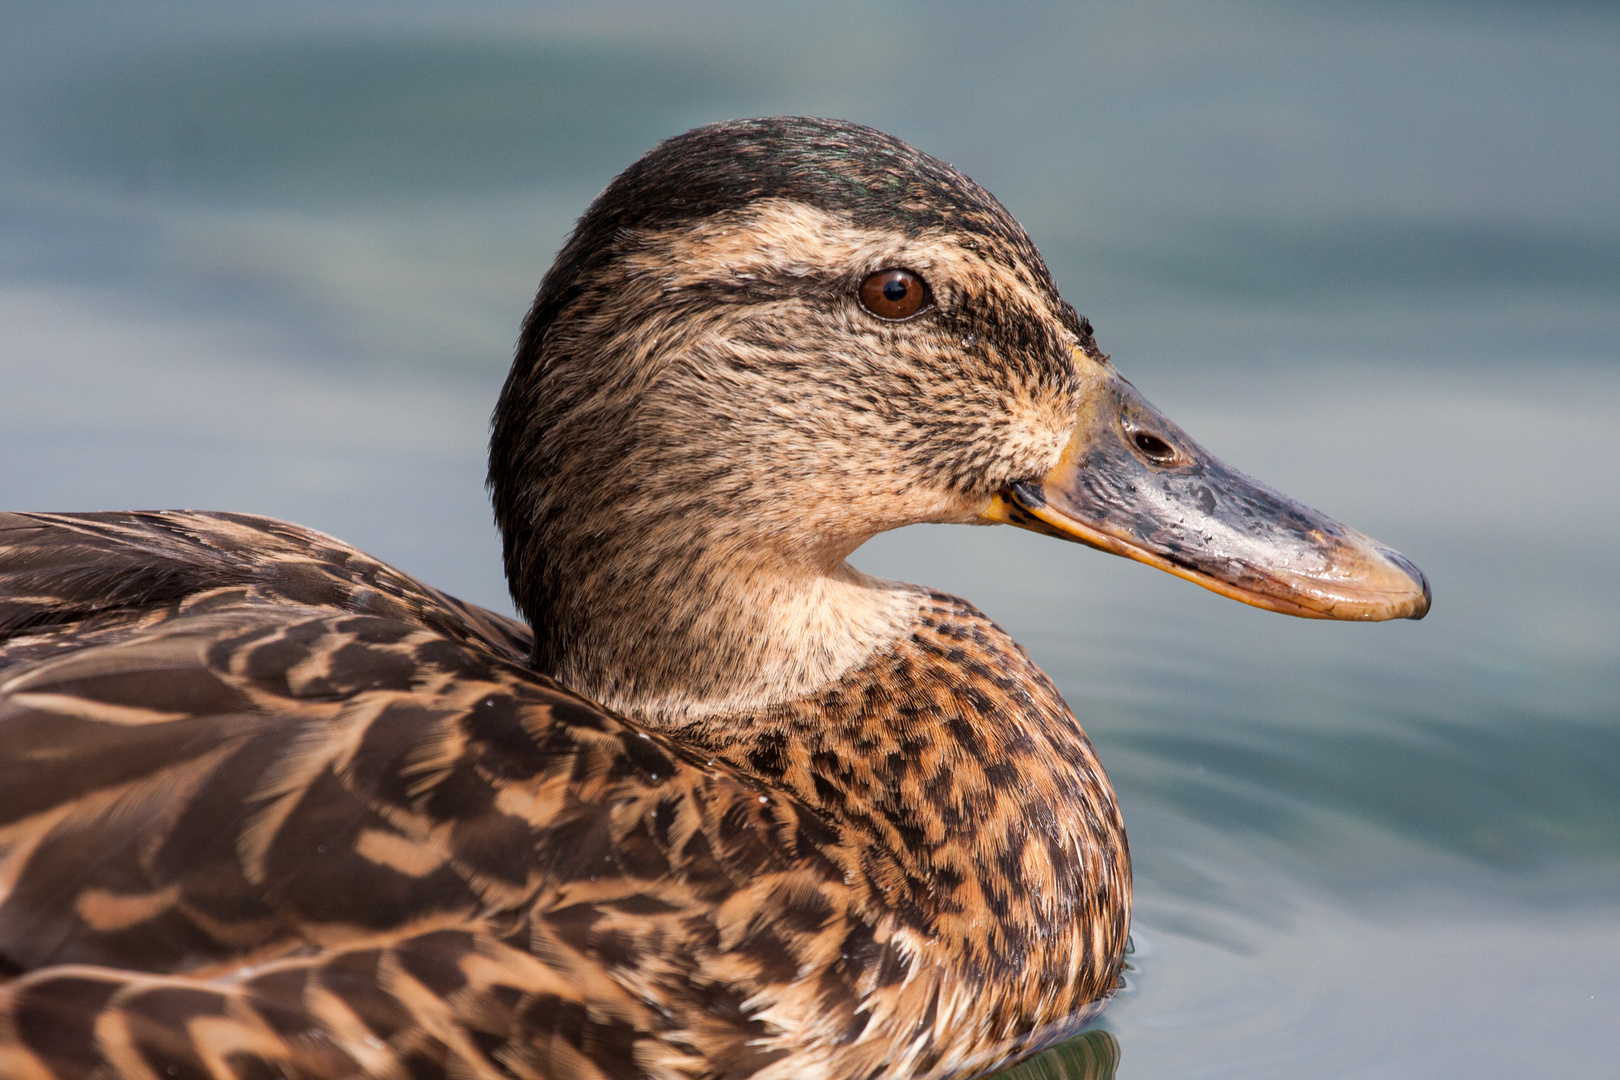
(768, 341)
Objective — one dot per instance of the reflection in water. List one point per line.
(1093, 1055)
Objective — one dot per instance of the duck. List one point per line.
(719, 805)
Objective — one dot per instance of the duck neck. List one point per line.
(684, 636)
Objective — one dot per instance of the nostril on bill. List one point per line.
(1157, 450)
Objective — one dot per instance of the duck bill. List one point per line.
(1133, 483)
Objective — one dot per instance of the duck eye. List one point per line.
(894, 294)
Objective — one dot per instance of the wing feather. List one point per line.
(267, 804)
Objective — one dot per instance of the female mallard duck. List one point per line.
(269, 808)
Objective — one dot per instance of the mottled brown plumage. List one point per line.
(269, 808)
(276, 797)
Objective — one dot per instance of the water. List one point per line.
(272, 258)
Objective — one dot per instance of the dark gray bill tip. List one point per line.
(1416, 575)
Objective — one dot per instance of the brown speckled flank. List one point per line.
(270, 810)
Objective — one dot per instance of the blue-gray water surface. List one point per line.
(272, 258)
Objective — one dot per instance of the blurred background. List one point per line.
(273, 257)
